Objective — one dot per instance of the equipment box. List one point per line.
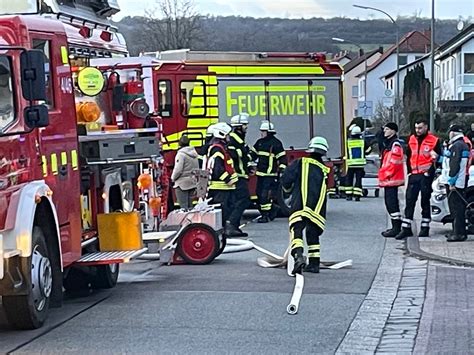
(119, 231)
(213, 218)
(95, 150)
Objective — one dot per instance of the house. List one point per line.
(412, 46)
(351, 81)
(454, 73)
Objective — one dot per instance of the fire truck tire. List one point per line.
(283, 201)
(106, 276)
(31, 310)
(198, 244)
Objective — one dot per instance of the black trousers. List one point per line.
(313, 231)
(391, 202)
(240, 201)
(418, 184)
(457, 208)
(267, 187)
(351, 188)
(221, 197)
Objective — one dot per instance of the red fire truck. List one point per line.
(301, 93)
(61, 189)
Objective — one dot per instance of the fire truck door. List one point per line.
(58, 143)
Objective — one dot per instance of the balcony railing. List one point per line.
(466, 79)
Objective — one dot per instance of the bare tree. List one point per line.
(172, 24)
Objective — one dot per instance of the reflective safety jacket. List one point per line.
(221, 167)
(419, 154)
(240, 153)
(355, 153)
(306, 179)
(270, 154)
(469, 145)
(391, 173)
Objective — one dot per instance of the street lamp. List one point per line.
(365, 67)
(432, 127)
(397, 97)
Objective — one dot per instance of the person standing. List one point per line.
(222, 178)
(306, 180)
(422, 153)
(185, 164)
(271, 162)
(391, 176)
(454, 175)
(356, 148)
(240, 153)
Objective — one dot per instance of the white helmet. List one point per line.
(221, 130)
(318, 145)
(239, 120)
(210, 130)
(267, 126)
(355, 130)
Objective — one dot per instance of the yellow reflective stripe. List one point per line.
(268, 69)
(218, 155)
(74, 159)
(314, 247)
(263, 153)
(54, 164)
(278, 156)
(314, 255)
(304, 181)
(44, 163)
(64, 55)
(297, 243)
(236, 137)
(322, 198)
(63, 158)
(224, 175)
(266, 207)
(259, 173)
(270, 164)
(219, 185)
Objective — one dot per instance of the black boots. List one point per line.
(396, 228)
(424, 232)
(313, 266)
(357, 198)
(405, 233)
(233, 231)
(300, 262)
(456, 238)
(263, 218)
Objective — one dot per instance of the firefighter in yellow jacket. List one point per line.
(356, 151)
(306, 179)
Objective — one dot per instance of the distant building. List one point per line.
(413, 46)
(351, 82)
(454, 73)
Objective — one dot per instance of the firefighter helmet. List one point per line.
(221, 130)
(355, 130)
(239, 120)
(267, 126)
(318, 145)
(210, 130)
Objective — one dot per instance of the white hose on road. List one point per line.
(292, 308)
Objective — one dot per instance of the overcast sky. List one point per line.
(314, 8)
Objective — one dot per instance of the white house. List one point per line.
(454, 73)
(412, 46)
(352, 70)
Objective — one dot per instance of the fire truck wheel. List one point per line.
(106, 276)
(198, 244)
(377, 193)
(283, 200)
(30, 311)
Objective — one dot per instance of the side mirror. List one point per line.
(36, 116)
(33, 75)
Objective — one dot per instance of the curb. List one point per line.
(413, 248)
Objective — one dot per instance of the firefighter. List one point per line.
(240, 153)
(422, 153)
(453, 174)
(271, 162)
(356, 149)
(391, 176)
(222, 178)
(306, 180)
(204, 148)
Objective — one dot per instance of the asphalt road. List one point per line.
(230, 306)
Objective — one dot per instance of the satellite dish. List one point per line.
(460, 25)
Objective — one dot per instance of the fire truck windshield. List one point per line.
(7, 102)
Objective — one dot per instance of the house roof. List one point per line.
(355, 62)
(455, 42)
(412, 42)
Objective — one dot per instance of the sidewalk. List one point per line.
(437, 248)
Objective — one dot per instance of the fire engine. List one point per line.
(80, 161)
(301, 93)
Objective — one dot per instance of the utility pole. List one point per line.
(432, 125)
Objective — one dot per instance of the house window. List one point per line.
(453, 63)
(448, 69)
(355, 91)
(403, 59)
(469, 63)
(443, 71)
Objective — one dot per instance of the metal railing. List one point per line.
(466, 79)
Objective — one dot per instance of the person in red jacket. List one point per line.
(391, 176)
